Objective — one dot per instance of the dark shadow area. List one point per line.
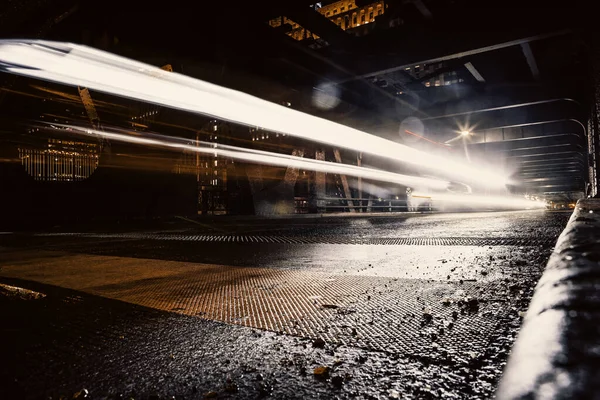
(69, 341)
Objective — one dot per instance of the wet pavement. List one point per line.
(416, 306)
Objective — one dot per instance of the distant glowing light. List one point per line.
(465, 133)
(503, 202)
(77, 65)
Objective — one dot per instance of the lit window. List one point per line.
(216, 163)
(215, 128)
(427, 84)
(407, 68)
(437, 83)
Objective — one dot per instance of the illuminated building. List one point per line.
(210, 169)
(345, 14)
(258, 134)
(213, 169)
(296, 31)
(421, 71)
(61, 160)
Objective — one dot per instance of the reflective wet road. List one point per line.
(411, 306)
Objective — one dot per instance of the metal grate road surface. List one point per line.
(365, 311)
(290, 239)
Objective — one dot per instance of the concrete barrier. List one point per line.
(557, 352)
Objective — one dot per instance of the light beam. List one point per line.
(502, 202)
(83, 66)
(258, 156)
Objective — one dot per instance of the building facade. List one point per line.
(345, 14)
(60, 160)
(427, 74)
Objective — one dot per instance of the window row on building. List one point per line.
(260, 134)
(56, 165)
(346, 14)
(441, 79)
(211, 169)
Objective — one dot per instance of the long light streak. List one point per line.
(469, 200)
(259, 156)
(77, 65)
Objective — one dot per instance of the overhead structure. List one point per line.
(517, 101)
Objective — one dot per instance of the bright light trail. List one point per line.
(504, 202)
(77, 65)
(259, 156)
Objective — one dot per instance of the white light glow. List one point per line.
(469, 200)
(82, 66)
(261, 157)
(465, 133)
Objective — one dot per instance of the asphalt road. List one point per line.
(415, 306)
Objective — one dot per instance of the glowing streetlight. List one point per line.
(465, 133)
